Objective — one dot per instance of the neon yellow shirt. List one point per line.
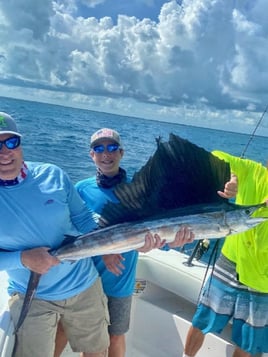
(249, 250)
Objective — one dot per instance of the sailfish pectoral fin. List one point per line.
(29, 295)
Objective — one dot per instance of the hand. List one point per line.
(230, 188)
(38, 260)
(183, 236)
(113, 263)
(151, 242)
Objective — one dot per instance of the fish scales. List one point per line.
(128, 236)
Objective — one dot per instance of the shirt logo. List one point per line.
(48, 202)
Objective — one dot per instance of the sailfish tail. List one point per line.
(29, 295)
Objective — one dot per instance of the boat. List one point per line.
(164, 300)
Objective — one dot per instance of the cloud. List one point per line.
(92, 3)
(202, 53)
(22, 15)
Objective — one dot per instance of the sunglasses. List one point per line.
(110, 148)
(11, 143)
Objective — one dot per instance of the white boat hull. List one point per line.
(163, 306)
(7, 337)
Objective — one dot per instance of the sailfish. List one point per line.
(177, 186)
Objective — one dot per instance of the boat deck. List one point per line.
(162, 308)
(163, 305)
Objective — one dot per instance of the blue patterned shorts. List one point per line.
(223, 299)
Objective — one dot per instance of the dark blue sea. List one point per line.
(60, 135)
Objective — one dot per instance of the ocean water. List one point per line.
(60, 135)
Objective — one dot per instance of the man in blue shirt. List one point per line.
(38, 206)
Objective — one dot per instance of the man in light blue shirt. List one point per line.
(38, 206)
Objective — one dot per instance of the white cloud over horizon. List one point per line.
(199, 62)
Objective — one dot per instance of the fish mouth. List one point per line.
(256, 220)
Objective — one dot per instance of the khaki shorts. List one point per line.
(84, 317)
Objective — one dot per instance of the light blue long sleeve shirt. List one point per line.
(38, 212)
(115, 286)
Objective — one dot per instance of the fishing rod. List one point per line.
(253, 134)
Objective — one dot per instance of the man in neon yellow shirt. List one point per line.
(238, 288)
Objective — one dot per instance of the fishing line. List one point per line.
(253, 134)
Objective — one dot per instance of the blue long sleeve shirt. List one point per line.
(115, 286)
(38, 212)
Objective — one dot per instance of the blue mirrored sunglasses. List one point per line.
(11, 143)
(101, 148)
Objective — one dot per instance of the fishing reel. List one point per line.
(202, 248)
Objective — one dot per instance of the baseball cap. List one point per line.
(8, 125)
(105, 133)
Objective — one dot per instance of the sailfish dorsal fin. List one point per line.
(178, 174)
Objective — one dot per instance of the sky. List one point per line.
(194, 62)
